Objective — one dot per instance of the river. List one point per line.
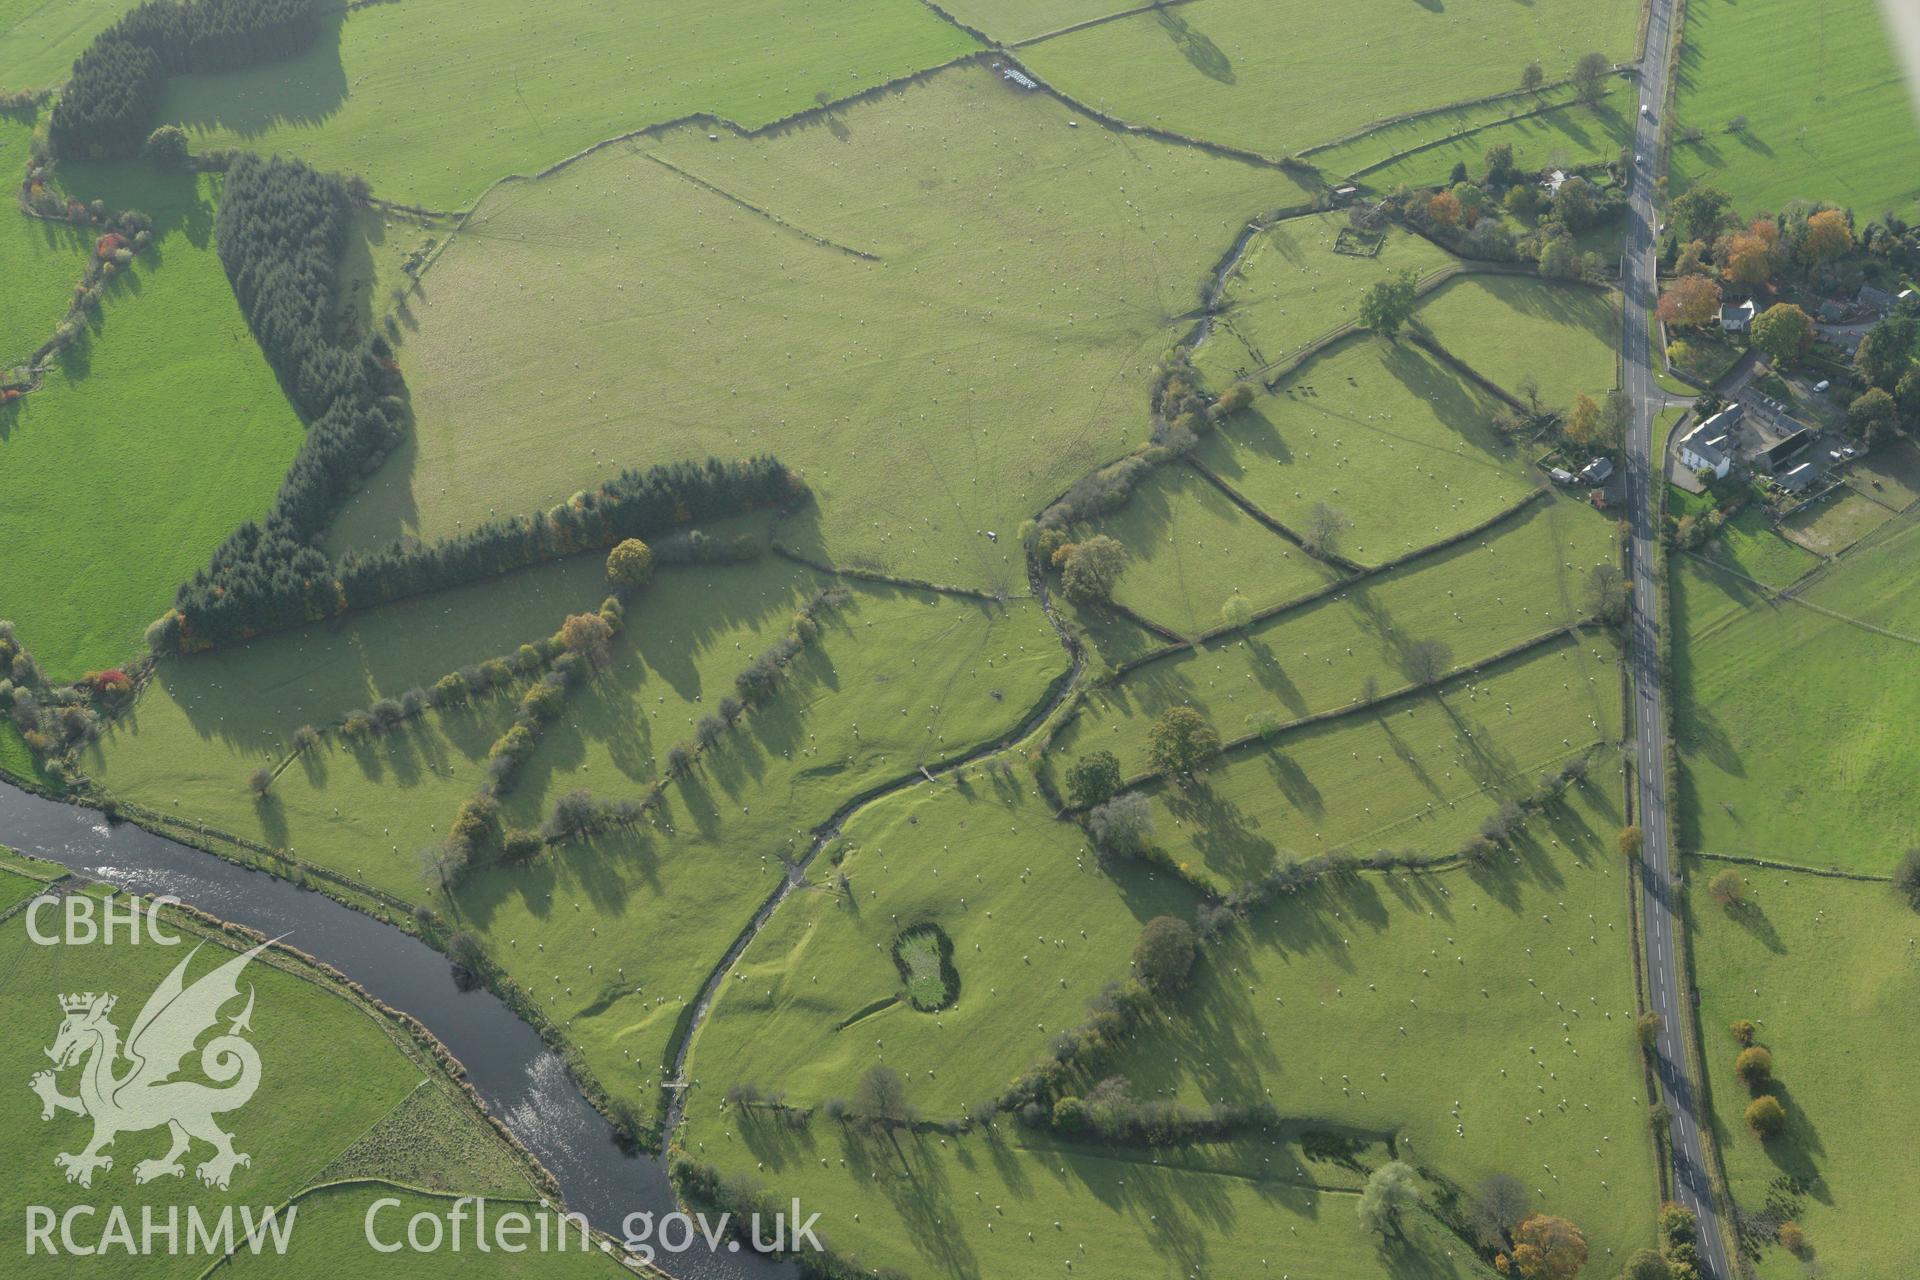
(522, 1081)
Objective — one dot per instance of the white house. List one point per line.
(1737, 317)
(1706, 448)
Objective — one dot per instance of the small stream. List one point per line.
(523, 1082)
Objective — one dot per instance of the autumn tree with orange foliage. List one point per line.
(1690, 301)
(1444, 209)
(1548, 1248)
(1828, 236)
(1750, 256)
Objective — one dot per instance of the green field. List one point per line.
(1276, 79)
(1836, 523)
(1480, 598)
(1037, 928)
(1015, 20)
(1424, 150)
(205, 723)
(17, 759)
(1382, 432)
(1828, 115)
(1826, 970)
(1291, 287)
(145, 445)
(44, 263)
(1192, 549)
(1510, 328)
(1792, 746)
(43, 37)
(433, 101)
(307, 1116)
(1419, 773)
(612, 936)
(1024, 276)
(1008, 1202)
(1485, 1018)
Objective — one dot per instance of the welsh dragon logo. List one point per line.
(144, 1095)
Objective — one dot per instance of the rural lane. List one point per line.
(1660, 887)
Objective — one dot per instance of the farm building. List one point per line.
(1708, 448)
(1783, 452)
(1798, 477)
(1873, 299)
(1737, 317)
(1021, 78)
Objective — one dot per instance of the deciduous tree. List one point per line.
(1691, 301)
(1590, 77)
(1548, 1248)
(1122, 827)
(1766, 1117)
(630, 563)
(1829, 235)
(1180, 740)
(1754, 1066)
(1388, 304)
(1391, 1192)
(1090, 569)
(1783, 331)
(1093, 779)
(1164, 956)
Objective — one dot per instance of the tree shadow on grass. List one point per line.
(1205, 56)
(302, 91)
(1752, 917)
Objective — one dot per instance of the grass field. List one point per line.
(431, 102)
(1382, 432)
(1292, 287)
(1422, 152)
(1835, 523)
(1192, 549)
(205, 723)
(1023, 277)
(1791, 745)
(613, 936)
(16, 759)
(145, 445)
(1013, 20)
(1826, 969)
(1275, 79)
(1484, 1017)
(44, 262)
(1479, 598)
(1828, 116)
(1509, 329)
(1419, 773)
(43, 37)
(1037, 929)
(1011, 1203)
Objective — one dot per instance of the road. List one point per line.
(1659, 923)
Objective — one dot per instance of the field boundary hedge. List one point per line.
(1332, 588)
(1770, 864)
(1258, 738)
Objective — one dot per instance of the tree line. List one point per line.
(113, 97)
(282, 229)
